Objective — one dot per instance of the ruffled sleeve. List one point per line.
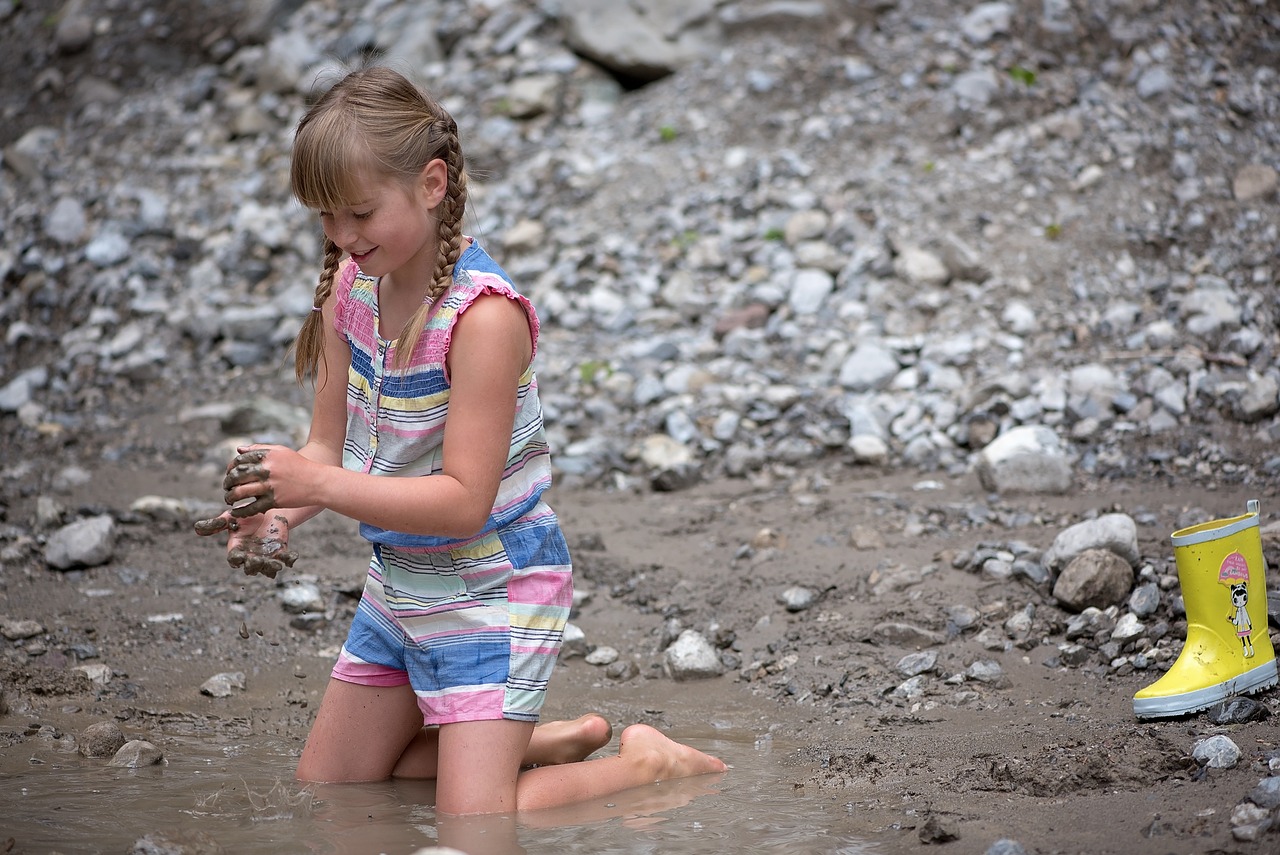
(342, 294)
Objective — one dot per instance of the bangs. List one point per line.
(331, 166)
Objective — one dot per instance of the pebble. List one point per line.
(137, 753)
(222, 685)
(692, 657)
(101, 739)
(1216, 752)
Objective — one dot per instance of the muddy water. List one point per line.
(240, 798)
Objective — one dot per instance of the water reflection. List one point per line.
(242, 799)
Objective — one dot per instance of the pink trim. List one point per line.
(501, 289)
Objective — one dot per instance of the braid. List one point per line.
(310, 343)
(449, 238)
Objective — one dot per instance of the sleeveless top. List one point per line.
(396, 414)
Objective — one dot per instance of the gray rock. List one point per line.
(798, 598)
(1267, 793)
(222, 685)
(1025, 459)
(1254, 181)
(1216, 752)
(66, 221)
(137, 753)
(1117, 533)
(301, 597)
(905, 635)
(921, 662)
(691, 657)
(85, 543)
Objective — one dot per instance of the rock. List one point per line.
(602, 656)
(1117, 533)
(19, 629)
(137, 753)
(936, 830)
(1266, 794)
(66, 221)
(1095, 577)
(1216, 752)
(691, 657)
(625, 41)
(905, 635)
(1025, 459)
(798, 598)
(85, 543)
(574, 642)
(1005, 846)
(986, 21)
(1254, 181)
(1236, 710)
(102, 739)
(917, 663)
(300, 597)
(222, 685)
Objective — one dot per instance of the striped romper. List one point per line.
(473, 625)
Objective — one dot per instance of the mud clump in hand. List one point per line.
(261, 557)
(204, 528)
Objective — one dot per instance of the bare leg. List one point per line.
(359, 733)
(551, 743)
(645, 756)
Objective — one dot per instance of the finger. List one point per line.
(237, 556)
(260, 505)
(222, 522)
(245, 473)
(262, 566)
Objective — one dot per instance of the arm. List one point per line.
(259, 541)
(491, 346)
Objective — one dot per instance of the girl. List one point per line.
(426, 428)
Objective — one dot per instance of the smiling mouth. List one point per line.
(360, 256)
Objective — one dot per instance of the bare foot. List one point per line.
(559, 742)
(669, 758)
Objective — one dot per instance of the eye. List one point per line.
(362, 215)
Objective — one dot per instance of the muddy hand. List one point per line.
(260, 557)
(248, 467)
(264, 555)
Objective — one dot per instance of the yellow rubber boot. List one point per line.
(1228, 649)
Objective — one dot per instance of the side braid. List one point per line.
(449, 239)
(309, 345)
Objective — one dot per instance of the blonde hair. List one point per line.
(375, 122)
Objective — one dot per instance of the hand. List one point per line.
(259, 544)
(262, 477)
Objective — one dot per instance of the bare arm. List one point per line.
(490, 349)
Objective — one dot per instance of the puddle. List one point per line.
(241, 798)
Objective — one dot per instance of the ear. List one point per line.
(433, 183)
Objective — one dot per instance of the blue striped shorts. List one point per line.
(474, 628)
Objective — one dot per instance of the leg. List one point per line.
(551, 743)
(359, 733)
(645, 756)
(479, 768)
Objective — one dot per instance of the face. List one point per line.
(391, 228)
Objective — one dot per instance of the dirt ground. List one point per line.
(1049, 756)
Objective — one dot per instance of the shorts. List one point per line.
(474, 628)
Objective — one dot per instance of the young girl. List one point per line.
(426, 428)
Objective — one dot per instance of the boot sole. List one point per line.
(1254, 680)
